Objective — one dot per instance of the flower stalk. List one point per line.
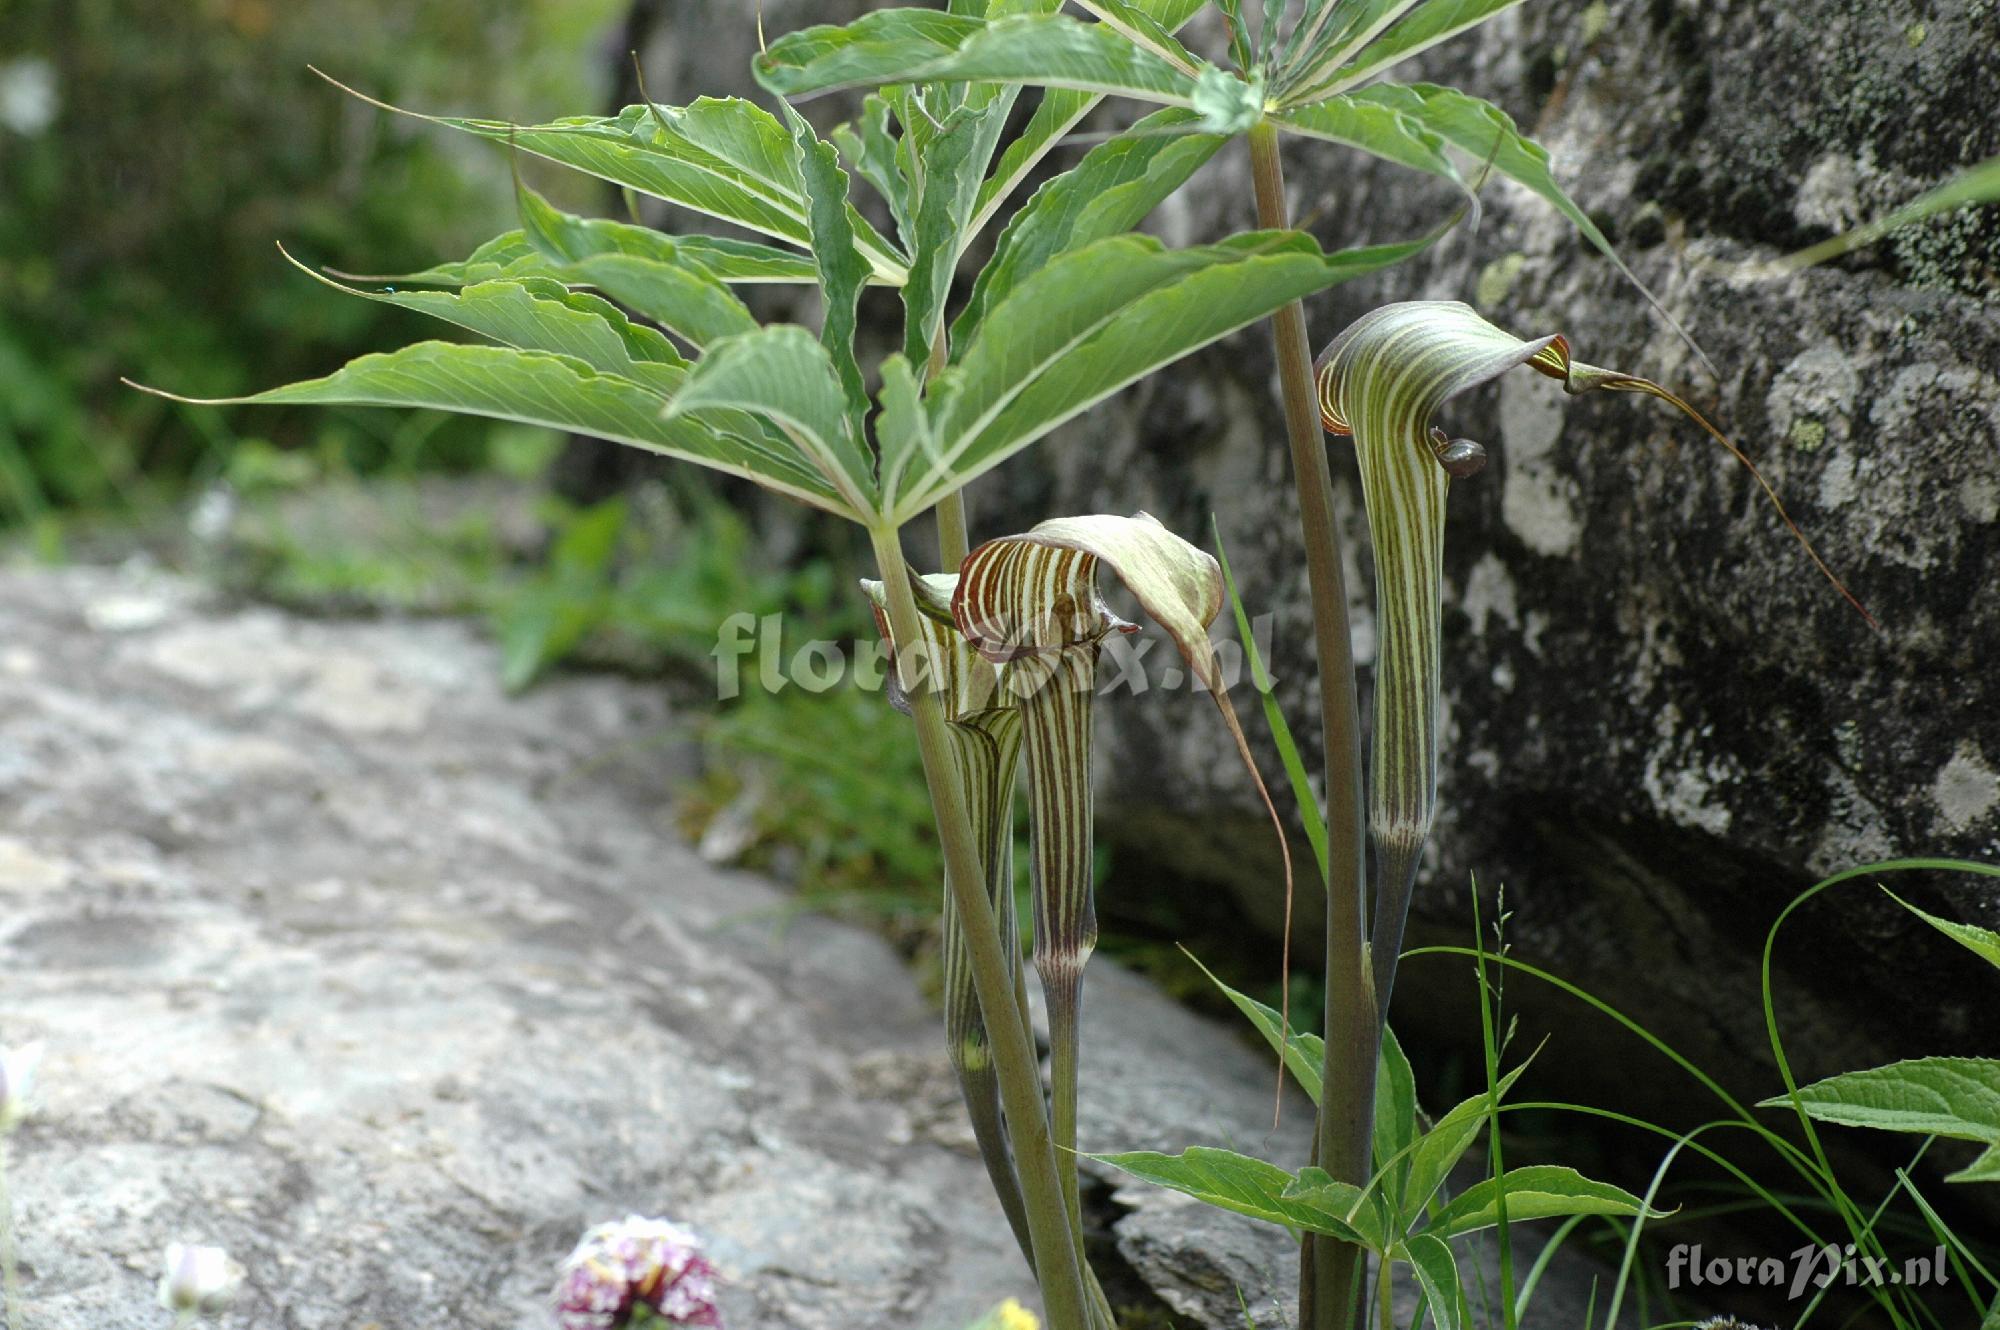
(984, 732)
(1331, 1271)
(1057, 1261)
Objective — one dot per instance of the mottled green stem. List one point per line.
(953, 531)
(953, 542)
(1058, 1262)
(1330, 1287)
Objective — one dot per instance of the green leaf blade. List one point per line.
(1942, 1096)
(1252, 1187)
(1041, 50)
(1981, 942)
(1436, 1269)
(1100, 317)
(842, 271)
(540, 388)
(783, 373)
(1377, 128)
(724, 157)
(1109, 192)
(1541, 1191)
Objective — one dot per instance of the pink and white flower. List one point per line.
(637, 1263)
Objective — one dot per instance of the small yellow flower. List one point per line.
(1013, 1316)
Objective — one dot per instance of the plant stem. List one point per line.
(953, 542)
(1330, 1286)
(11, 1287)
(1058, 1263)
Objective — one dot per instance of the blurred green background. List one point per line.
(152, 152)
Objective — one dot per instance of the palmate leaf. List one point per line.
(877, 48)
(1043, 50)
(1109, 192)
(1055, 115)
(954, 165)
(1488, 134)
(903, 426)
(898, 46)
(540, 388)
(724, 157)
(872, 151)
(1096, 319)
(1376, 128)
(1136, 24)
(782, 373)
(648, 278)
(1331, 25)
(1955, 1097)
(1337, 65)
(1381, 381)
(843, 268)
(541, 314)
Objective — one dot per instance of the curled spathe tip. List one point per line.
(1458, 349)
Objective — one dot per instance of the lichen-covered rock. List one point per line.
(1660, 722)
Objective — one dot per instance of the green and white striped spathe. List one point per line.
(1032, 600)
(1381, 381)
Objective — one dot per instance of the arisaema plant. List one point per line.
(616, 330)
(1315, 69)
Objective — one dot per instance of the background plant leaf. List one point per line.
(1982, 942)
(1939, 1096)
(1540, 1191)
(1255, 1188)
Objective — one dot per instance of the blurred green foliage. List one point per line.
(150, 153)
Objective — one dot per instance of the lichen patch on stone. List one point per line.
(1966, 789)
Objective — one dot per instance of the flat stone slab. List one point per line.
(392, 985)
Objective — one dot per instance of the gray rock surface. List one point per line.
(392, 985)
